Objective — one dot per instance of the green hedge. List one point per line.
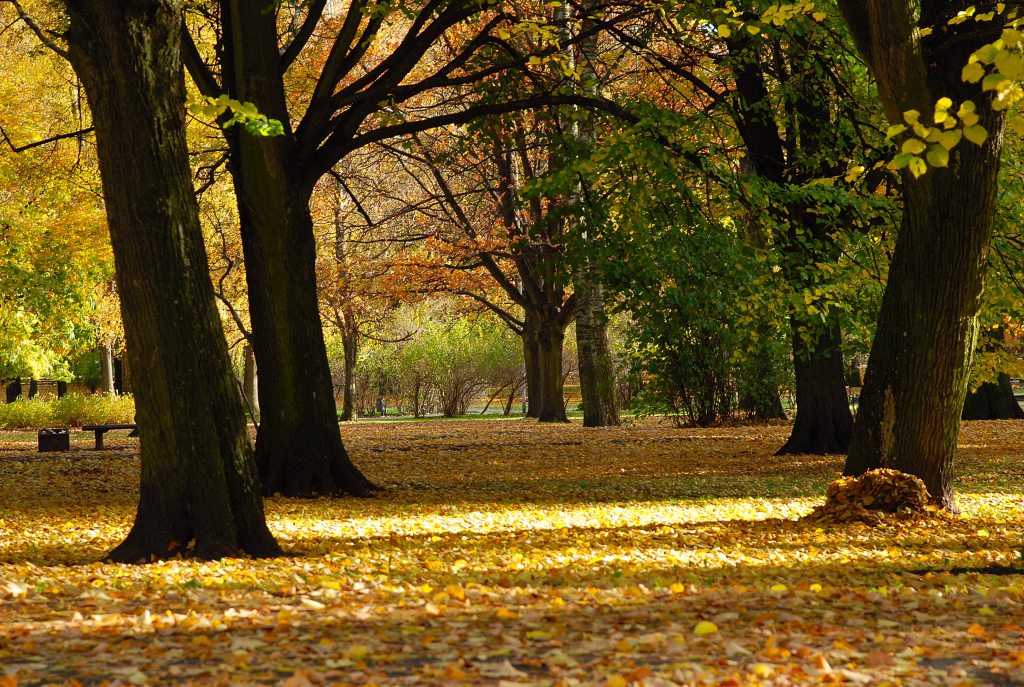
(74, 410)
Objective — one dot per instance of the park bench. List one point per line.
(103, 429)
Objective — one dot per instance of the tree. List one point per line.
(596, 368)
(375, 79)
(53, 245)
(199, 490)
(789, 103)
(927, 331)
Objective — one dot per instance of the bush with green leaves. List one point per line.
(447, 361)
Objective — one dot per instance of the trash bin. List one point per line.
(55, 439)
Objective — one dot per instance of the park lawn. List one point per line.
(507, 553)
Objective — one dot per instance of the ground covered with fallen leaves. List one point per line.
(507, 553)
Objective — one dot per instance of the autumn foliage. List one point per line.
(510, 553)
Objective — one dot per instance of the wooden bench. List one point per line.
(103, 429)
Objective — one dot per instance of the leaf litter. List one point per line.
(510, 553)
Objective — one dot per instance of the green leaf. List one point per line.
(949, 139)
(937, 156)
(975, 134)
(992, 81)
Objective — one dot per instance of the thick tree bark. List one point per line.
(199, 491)
(993, 401)
(597, 370)
(62, 389)
(550, 339)
(298, 447)
(919, 366)
(823, 421)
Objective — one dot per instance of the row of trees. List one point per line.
(721, 169)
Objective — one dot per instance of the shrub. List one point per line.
(75, 410)
(26, 413)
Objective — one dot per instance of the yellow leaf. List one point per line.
(724, 31)
(972, 73)
(976, 630)
(985, 610)
(815, 587)
(356, 652)
(779, 587)
(705, 627)
(753, 29)
(506, 614)
(616, 681)
(818, 16)
(538, 634)
(913, 146)
(917, 166)
(762, 670)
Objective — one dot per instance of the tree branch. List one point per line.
(36, 144)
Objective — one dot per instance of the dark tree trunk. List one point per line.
(350, 344)
(199, 491)
(823, 422)
(551, 383)
(14, 390)
(597, 371)
(920, 361)
(993, 401)
(62, 389)
(298, 447)
(33, 387)
(118, 376)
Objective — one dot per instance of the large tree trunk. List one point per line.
(298, 447)
(551, 384)
(199, 491)
(920, 360)
(993, 401)
(823, 421)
